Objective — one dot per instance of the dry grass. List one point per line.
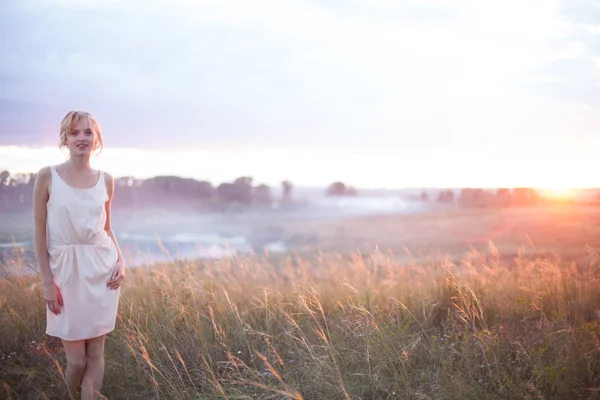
(329, 327)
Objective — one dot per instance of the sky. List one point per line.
(377, 93)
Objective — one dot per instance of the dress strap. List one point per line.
(54, 182)
(102, 182)
(54, 175)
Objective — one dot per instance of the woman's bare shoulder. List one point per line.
(109, 182)
(43, 180)
(44, 174)
(108, 178)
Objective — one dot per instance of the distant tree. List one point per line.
(287, 191)
(244, 189)
(226, 192)
(503, 197)
(424, 197)
(203, 190)
(262, 194)
(5, 196)
(525, 196)
(240, 191)
(475, 198)
(340, 189)
(243, 181)
(336, 189)
(465, 197)
(4, 178)
(446, 196)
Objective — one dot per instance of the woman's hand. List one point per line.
(117, 276)
(54, 299)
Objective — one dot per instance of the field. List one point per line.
(450, 305)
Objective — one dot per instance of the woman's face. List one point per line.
(82, 139)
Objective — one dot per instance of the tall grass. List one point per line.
(329, 327)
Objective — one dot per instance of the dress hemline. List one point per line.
(81, 338)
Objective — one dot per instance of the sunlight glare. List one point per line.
(559, 193)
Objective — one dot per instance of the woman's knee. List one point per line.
(75, 352)
(76, 364)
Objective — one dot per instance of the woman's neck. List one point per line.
(80, 163)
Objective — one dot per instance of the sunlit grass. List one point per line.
(329, 327)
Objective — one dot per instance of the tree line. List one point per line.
(502, 197)
(16, 193)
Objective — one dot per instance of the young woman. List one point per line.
(78, 255)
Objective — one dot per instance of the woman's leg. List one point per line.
(76, 365)
(94, 370)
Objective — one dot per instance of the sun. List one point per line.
(559, 193)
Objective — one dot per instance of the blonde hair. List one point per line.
(71, 119)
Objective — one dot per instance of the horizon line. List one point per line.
(316, 186)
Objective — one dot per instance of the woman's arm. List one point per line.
(41, 194)
(119, 272)
(40, 199)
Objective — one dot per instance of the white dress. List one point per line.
(82, 259)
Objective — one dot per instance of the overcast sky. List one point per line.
(512, 77)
